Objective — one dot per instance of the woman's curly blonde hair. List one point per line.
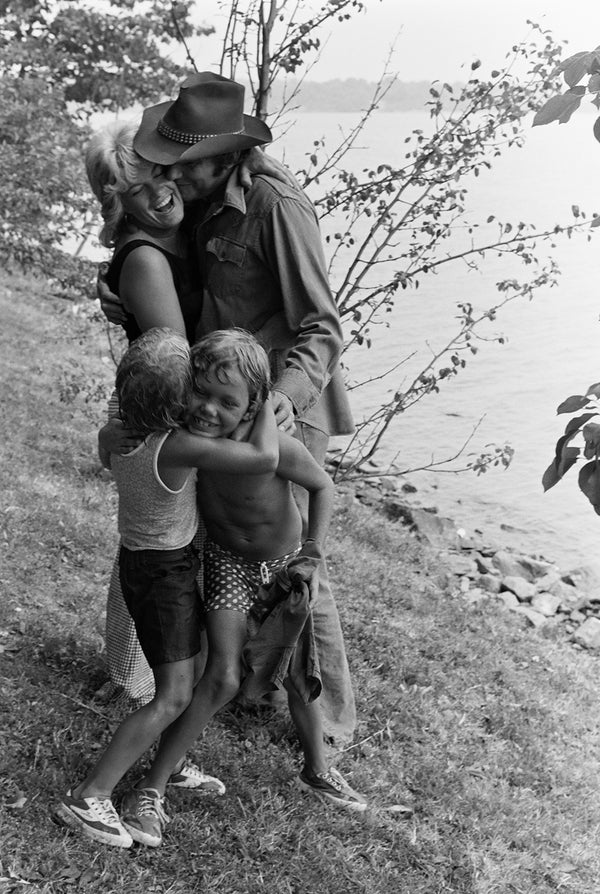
(154, 381)
(112, 166)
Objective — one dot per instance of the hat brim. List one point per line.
(152, 146)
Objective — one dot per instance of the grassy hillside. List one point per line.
(487, 729)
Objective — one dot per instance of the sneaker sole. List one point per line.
(142, 837)
(209, 788)
(63, 814)
(355, 806)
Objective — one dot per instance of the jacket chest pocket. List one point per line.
(225, 265)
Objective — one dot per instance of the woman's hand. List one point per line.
(284, 412)
(258, 162)
(109, 302)
(115, 438)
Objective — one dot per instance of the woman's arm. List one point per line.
(113, 437)
(258, 162)
(256, 456)
(147, 290)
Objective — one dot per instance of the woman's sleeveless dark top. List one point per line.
(189, 299)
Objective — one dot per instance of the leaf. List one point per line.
(566, 867)
(575, 424)
(572, 404)
(559, 108)
(571, 60)
(569, 457)
(576, 69)
(400, 810)
(18, 802)
(589, 483)
(564, 458)
(591, 434)
(594, 390)
(550, 476)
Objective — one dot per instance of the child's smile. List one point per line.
(217, 407)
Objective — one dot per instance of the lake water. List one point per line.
(551, 349)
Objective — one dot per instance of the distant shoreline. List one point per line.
(354, 95)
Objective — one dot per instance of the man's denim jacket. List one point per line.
(263, 269)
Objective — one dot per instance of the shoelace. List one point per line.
(152, 805)
(331, 780)
(105, 810)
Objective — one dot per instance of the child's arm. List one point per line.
(258, 455)
(113, 437)
(297, 465)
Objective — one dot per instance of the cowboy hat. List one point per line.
(206, 119)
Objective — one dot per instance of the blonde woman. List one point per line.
(154, 286)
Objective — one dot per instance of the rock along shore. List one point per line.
(531, 586)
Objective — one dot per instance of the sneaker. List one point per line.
(96, 817)
(191, 776)
(143, 815)
(332, 787)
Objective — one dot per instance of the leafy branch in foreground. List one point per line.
(584, 65)
(567, 454)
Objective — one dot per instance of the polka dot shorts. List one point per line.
(231, 582)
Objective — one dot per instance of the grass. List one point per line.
(486, 727)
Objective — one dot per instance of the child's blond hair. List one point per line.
(227, 349)
(154, 381)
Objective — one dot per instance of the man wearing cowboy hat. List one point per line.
(262, 268)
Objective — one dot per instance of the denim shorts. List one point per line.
(159, 588)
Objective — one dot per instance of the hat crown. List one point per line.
(206, 119)
(207, 105)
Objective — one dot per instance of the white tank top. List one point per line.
(151, 515)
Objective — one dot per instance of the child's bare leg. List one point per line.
(308, 723)
(174, 686)
(220, 682)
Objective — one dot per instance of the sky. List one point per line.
(435, 39)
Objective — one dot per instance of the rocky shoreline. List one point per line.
(530, 586)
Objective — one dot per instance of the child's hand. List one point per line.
(115, 438)
(243, 430)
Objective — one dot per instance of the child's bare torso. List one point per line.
(254, 516)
